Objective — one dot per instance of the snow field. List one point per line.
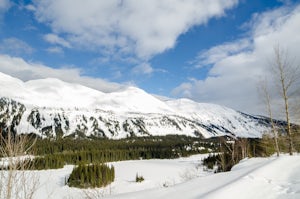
(266, 178)
(259, 178)
(157, 174)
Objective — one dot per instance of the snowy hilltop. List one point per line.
(51, 108)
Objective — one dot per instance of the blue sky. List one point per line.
(208, 51)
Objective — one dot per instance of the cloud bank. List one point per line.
(4, 6)
(238, 66)
(138, 28)
(15, 47)
(18, 67)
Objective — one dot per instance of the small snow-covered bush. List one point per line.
(139, 178)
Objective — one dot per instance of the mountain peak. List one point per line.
(52, 92)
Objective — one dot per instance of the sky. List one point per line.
(208, 51)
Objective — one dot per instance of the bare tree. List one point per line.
(16, 181)
(243, 144)
(227, 150)
(267, 100)
(286, 75)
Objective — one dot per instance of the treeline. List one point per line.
(180, 143)
(57, 153)
(53, 154)
(91, 176)
(267, 143)
(58, 160)
(231, 151)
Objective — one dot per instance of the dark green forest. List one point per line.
(52, 154)
(93, 175)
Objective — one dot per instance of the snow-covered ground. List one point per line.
(157, 174)
(252, 178)
(183, 178)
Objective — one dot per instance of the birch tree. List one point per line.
(286, 75)
(267, 101)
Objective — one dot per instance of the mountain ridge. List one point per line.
(54, 108)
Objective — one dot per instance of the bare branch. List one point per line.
(16, 181)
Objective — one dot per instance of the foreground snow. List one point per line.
(157, 174)
(183, 178)
(253, 178)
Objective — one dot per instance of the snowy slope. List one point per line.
(51, 107)
(54, 93)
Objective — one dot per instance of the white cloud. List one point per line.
(238, 66)
(141, 28)
(220, 52)
(143, 68)
(17, 67)
(146, 69)
(55, 50)
(184, 90)
(30, 7)
(4, 5)
(117, 75)
(15, 46)
(54, 39)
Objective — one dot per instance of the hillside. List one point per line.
(53, 108)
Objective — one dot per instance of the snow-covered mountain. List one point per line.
(51, 107)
